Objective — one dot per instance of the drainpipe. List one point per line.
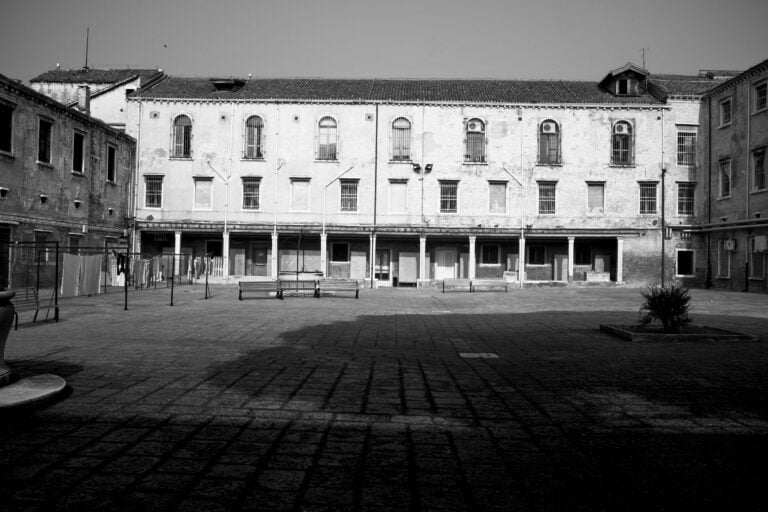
(663, 207)
(375, 184)
(746, 192)
(522, 226)
(135, 176)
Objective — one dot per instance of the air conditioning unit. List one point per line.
(730, 245)
(761, 243)
(474, 126)
(621, 128)
(548, 127)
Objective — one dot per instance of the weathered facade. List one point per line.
(64, 177)
(532, 180)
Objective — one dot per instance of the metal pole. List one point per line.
(663, 227)
(55, 287)
(125, 276)
(173, 276)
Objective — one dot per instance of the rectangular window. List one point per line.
(203, 193)
(685, 263)
(6, 127)
(724, 258)
(685, 195)
(398, 196)
(44, 131)
(111, 163)
(725, 112)
(41, 246)
(497, 197)
(489, 255)
(251, 193)
(348, 195)
(537, 255)
(340, 253)
(300, 195)
(725, 177)
(760, 94)
(758, 169)
(153, 191)
(74, 244)
(686, 148)
(595, 198)
(78, 143)
(547, 204)
(449, 196)
(647, 198)
(757, 256)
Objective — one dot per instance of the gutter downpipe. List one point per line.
(135, 177)
(708, 282)
(521, 257)
(375, 187)
(663, 217)
(522, 226)
(746, 192)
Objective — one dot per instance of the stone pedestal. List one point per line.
(6, 320)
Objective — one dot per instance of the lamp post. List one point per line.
(323, 249)
(422, 171)
(225, 250)
(522, 222)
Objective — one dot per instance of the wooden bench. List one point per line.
(260, 287)
(459, 285)
(489, 285)
(26, 299)
(338, 285)
(299, 287)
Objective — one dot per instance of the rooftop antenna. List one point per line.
(87, 35)
(644, 58)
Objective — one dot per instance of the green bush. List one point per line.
(668, 304)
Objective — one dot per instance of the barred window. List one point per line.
(45, 129)
(401, 140)
(474, 143)
(111, 162)
(648, 198)
(686, 148)
(153, 191)
(251, 193)
(348, 195)
(326, 138)
(547, 203)
(758, 163)
(725, 112)
(489, 255)
(622, 144)
(725, 177)
(78, 152)
(182, 137)
(254, 128)
(449, 196)
(549, 142)
(685, 195)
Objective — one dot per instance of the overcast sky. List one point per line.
(557, 39)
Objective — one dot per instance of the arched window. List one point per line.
(182, 137)
(549, 142)
(474, 142)
(326, 139)
(401, 140)
(621, 143)
(254, 128)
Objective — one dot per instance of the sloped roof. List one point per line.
(395, 91)
(93, 76)
(685, 85)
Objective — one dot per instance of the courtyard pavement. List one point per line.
(401, 400)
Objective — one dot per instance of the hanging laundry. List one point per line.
(89, 274)
(70, 275)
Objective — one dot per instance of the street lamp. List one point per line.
(225, 250)
(426, 170)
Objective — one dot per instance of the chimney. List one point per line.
(84, 99)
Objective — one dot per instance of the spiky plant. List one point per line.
(668, 304)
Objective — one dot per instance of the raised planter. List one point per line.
(698, 333)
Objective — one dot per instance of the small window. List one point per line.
(6, 127)
(549, 142)
(74, 244)
(398, 196)
(758, 169)
(497, 197)
(474, 141)
(725, 177)
(44, 132)
(254, 131)
(685, 198)
(621, 143)
(78, 143)
(626, 87)
(182, 137)
(449, 196)
(300, 195)
(686, 148)
(685, 263)
(251, 193)
(327, 139)
(761, 90)
(340, 253)
(547, 198)
(725, 112)
(724, 258)
(401, 140)
(348, 196)
(595, 198)
(537, 255)
(648, 198)
(489, 255)
(153, 191)
(111, 163)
